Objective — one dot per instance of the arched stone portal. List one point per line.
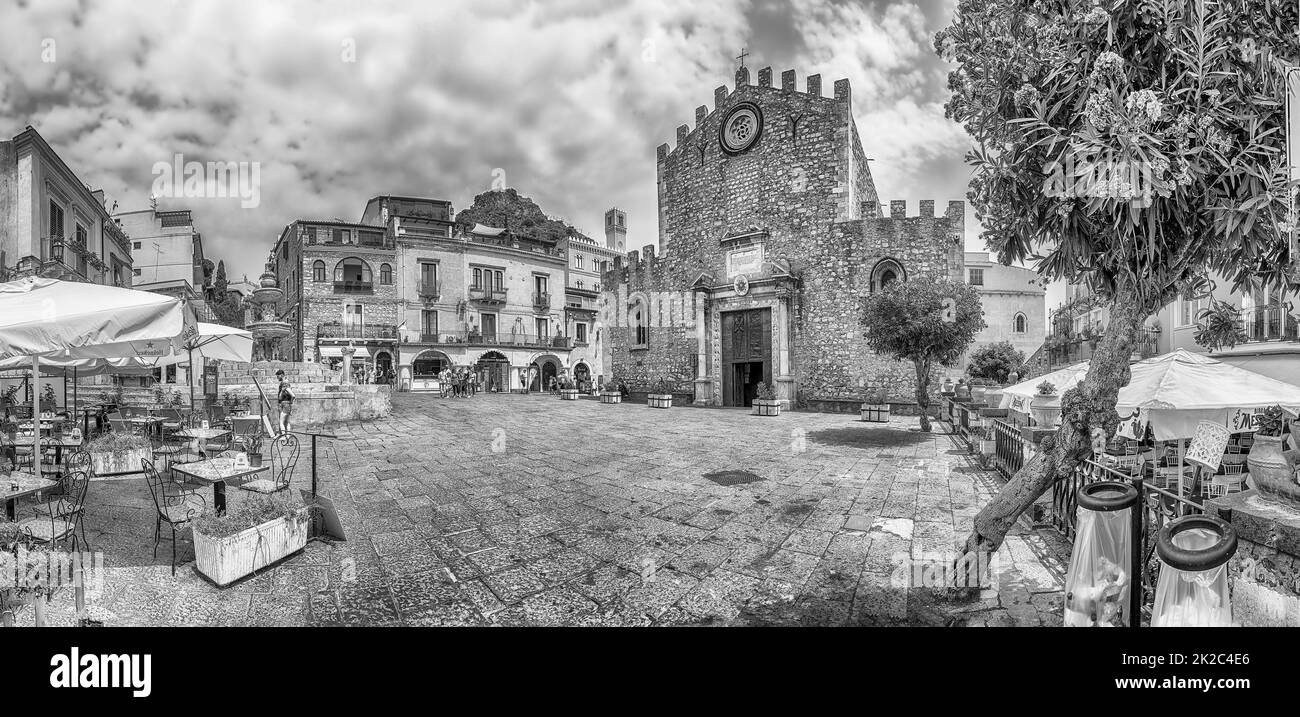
(493, 372)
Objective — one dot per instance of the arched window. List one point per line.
(385, 274)
(318, 271)
(1022, 324)
(478, 278)
(886, 272)
(353, 269)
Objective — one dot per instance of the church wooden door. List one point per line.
(746, 354)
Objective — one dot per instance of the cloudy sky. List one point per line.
(338, 102)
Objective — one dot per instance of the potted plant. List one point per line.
(611, 394)
(248, 537)
(766, 403)
(1272, 471)
(876, 407)
(48, 401)
(1046, 407)
(116, 453)
(568, 389)
(660, 395)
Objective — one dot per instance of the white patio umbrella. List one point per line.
(1176, 391)
(48, 318)
(1020, 396)
(212, 342)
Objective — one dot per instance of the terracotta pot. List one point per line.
(1272, 473)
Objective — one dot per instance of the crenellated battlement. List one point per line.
(897, 210)
(813, 88)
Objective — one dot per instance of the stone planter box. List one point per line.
(875, 412)
(569, 394)
(110, 464)
(767, 407)
(225, 560)
(659, 400)
(608, 397)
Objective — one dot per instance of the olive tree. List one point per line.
(1135, 146)
(927, 322)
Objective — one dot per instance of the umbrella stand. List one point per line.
(190, 350)
(36, 418)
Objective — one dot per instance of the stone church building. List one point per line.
(770, 233)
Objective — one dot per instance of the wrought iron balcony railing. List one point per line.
(486, 295)
(1269, 323)
(354, 287)
(337, 330)
(541, 299)
(479, 338)
(430, 290)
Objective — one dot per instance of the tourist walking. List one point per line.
(285, 398)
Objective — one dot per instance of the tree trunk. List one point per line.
(923, 392)
(1086, 408)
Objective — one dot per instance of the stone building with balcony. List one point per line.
(587, 261)
(411, 291)
(339, 290)
(482, 298)
(51, 223)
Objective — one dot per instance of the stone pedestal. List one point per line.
(703, 391)
(1265, 573)
(348, 352)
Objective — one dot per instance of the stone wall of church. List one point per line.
(830, 359)
(804, 190)
(830, 353)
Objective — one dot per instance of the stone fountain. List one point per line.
(267, 328)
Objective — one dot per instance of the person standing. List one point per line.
(285, 398)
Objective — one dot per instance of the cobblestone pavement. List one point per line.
(528, 510)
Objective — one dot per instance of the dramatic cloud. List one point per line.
(342, 101)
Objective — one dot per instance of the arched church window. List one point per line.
(1022, 325)
(886, 272)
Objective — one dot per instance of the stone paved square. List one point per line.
(503, 510)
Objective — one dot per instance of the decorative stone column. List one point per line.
(785, 388)
(703, 383)
(348, 352)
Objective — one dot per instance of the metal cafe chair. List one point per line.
(284, 458)
(62, 523)
(70, 503)
(174, 507)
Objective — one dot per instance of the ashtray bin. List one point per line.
(1193, 587)
(1097, 586)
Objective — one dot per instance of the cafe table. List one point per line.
(203, 435)
(58, 443)
(16, 485)
(217, 471)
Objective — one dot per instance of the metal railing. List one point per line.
(480, 293)
(430, 289)
(541, 299)
(354, 287)
(1269, 323)
(336, 330)
(479, 338)
(1010, 449)
(1158, 506)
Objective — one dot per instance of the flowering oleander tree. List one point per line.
(1133, 145)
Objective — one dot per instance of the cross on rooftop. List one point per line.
(742, 56)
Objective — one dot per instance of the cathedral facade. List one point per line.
(770, 232)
